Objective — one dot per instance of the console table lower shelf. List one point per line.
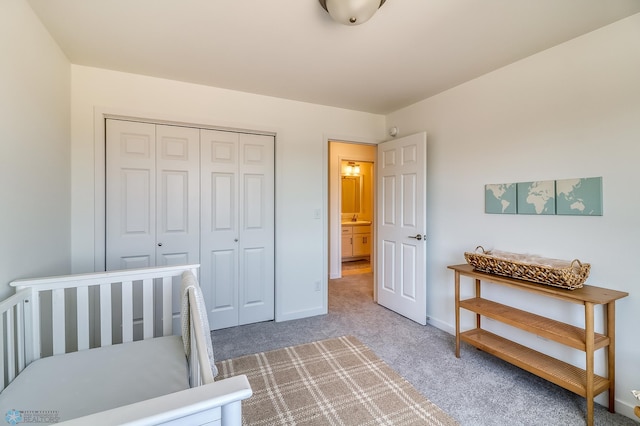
(559, 372)
(583, 382)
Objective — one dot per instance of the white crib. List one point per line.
(118, 328)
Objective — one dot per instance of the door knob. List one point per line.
(159, 244)
(418, 237)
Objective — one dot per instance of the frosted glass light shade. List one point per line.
(351, 169)
(351, 12)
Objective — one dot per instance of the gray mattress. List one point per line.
(65, 387)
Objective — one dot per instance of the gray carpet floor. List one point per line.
(477, 389)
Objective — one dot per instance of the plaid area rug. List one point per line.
(329, 382)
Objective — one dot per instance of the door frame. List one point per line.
(332, 221)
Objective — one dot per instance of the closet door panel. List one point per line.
(223, 300)
(254, 204)
(133, 262)
(256, 242)
(223, 206)
(131, 195)
(219, 233)
(178, 199)
(219, 265)
(254, 281)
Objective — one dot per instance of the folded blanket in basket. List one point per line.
(554, 272)
(532, 259)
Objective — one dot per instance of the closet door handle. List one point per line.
(159, 244)
(418, 237)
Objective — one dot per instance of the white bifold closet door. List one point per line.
(237, 249)
(178, 195)
(153, 193)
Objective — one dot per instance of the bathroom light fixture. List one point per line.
(352, 169)
(351, 12)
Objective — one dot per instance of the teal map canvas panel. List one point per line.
(500, 198)
(582, 197)
(537, 197)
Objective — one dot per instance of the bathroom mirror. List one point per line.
(351, 194)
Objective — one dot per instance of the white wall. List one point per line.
(571, 111)
(302, 133)
(34, 149)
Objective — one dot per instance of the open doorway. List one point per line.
(356, 214)
(351, 208)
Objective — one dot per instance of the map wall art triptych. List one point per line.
(577, 197)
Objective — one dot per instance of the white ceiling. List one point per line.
(409, 50)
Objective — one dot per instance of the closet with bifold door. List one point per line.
(178, 195)
(237, 226)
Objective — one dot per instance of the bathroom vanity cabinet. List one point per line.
(356, 241)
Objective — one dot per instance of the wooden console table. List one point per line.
(577, 380)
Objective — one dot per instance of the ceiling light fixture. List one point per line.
(351, 12)
(352, 169)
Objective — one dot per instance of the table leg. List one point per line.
(457, 297)
(611, 353)
(589, 348)
(478, 295)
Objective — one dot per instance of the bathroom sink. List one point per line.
(357, 222)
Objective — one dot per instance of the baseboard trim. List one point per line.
(288, 316)
(441, 325)
(625, 409)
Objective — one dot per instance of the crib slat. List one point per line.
(147, 308)
(11, 360)
(106, 336)
(32, 317)
(57, 308)
(26, 318)
(82, 314)
(167, 306)
(127, 311)
(20, 335)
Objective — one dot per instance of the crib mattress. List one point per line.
(65, 387)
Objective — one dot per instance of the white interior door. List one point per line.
(237, 240)
(401, 226)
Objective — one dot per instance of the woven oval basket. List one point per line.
(557, 273)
